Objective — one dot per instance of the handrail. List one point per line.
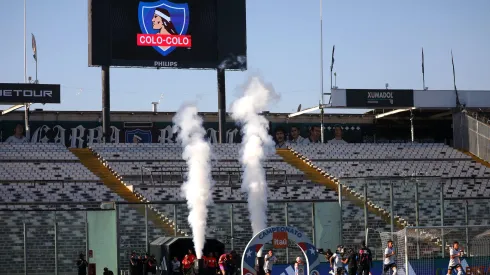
(61, 203)
(160, 170)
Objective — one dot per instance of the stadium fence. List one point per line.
(58, 230)
(472, 135)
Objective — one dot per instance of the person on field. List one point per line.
(82, 265)
(365, 260)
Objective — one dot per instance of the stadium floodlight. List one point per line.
(13, 108)
(441, 114)
(394, 112)
(309, 110)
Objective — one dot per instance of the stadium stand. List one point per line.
(32, 175)
(47, 173)
(154, 173)
(376, 161)
(286, 183)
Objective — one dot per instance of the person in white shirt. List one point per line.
(269, 261)
(280, 139)
(336, 261)
(389, 259)
(299, 267)
(455, 253)
(296, 138)
(338, 136)
(18, 136)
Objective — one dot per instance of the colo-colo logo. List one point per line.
(380, 95)
(26, 93)
(280, 229)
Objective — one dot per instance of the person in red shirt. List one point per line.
(191, 255)
(186, 265)
(211, 264)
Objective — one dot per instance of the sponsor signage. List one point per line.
(382, 98)
(29, 93)
(168, 33)
(279, 236)
(280, 229)
(79, 134)
(280, 239)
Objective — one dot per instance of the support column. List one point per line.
(175, 220)
(322, 127)
(86, 236)
(442, 218)
(405, 241)
(341, 224)
(232, 231)
(392, 216)
(417, 217)
(106, 104)
(286, 213)
(26, 120)
(467, 233)
(221, 106)
(365, 212)
(55, 245)
(146, 229)
(118, 240)
(313, 223)
(25, 249)
(412, 131)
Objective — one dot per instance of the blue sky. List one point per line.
(377, 42)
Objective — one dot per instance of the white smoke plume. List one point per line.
(256, 145)
(197, 188)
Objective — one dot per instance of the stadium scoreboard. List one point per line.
(200, 34)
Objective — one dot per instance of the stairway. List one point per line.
(318, 175)
(476, 158)
(113, 181)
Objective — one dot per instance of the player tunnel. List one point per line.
(166, 248)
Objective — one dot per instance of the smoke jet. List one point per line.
(256, 144)
(197, 188)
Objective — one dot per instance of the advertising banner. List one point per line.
(434, 266)
(78, 134)
(382, 98)
(165, 33)
(29, 93)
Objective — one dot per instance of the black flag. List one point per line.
(34, 47)
(454, 72)
(333, 59)
(458, 103)
(423, 61)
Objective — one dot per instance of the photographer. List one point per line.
(107, 271)
(365, 260)
(352, 261)
(82, 265)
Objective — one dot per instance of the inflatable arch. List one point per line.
(266, 236)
